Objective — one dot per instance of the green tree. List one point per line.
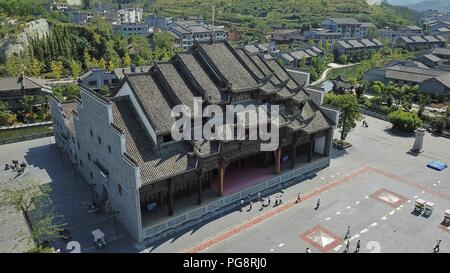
(15, 66)
(349, 111)
(57, 68)
(102, 63)
(163, 40)
(404, 121)
(32, 200)
(36, 67)
(127, 60)
(75, 69)
(28, 103)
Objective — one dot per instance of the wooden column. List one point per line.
(170, 196)
(221, 177)
(294, 154)
(199, 186)
(278, 160)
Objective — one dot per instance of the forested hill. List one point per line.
(287, 12)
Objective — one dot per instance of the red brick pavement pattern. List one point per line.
(337, 240)
(401, 199)
(411, 183)
(272, 213)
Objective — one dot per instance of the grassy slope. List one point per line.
(5, 134)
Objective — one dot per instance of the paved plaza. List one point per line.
(371, 187)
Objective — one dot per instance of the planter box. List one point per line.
(341, 146)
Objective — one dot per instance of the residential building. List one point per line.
(162, 23)
(443, 53)
(347, 27)
(355, 46)
(323, 35)
(286, 36)
(125, 151)
(97, 78)
(416, 42)
(186, 32)
(13, 89)
(433, 81)
(391, 35)
(130, 15)
(126, 30)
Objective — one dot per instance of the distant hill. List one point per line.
(443, 5)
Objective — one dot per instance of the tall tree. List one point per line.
(75, 69)
(57, 69)
(349, 111)
(35, 67)
(126, 60)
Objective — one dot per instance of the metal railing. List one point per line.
(226, 203)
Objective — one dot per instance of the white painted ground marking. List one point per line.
(271, 250)
(328, 218)
(357, 202)
(434, 185)
(439, 182)
(415, 196)
(332, 176)
(338, 212)
(348, 207)
(364, 230)
(338, 173)
(337, 248)
(322, 178)
(383, 218)
(374, 224)
(367, 197)
(356, 236)
(398, 208)
(423, 191)
(401, 206)
(280, 245)
(392, 212)
(409, 201)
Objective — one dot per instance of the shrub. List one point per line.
(439, 123)
(405, 121)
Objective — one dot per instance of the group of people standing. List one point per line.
(20, 168)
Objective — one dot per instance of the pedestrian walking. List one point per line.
(268, 200)
(347, 246)
(280, 201)
(318, 204)
(358, 245)
(308, 250)
(299, 199)
(250, 207)
(347, 235)
(436, 248)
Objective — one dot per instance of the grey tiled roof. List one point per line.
(345, 21)
(14, 83)
(250, 63)
(229, 66)
(155, 164)
(177, 84)
(202, 77)
(300, 55)
(441, 51)
(153, 101)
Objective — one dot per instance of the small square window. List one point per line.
(119, 189)
(89, 157)
(109, 148)
(92, 134)
(99, 140)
